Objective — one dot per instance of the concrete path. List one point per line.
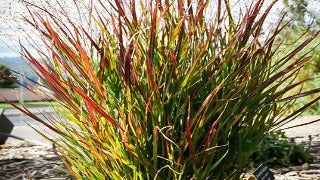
(309, 129)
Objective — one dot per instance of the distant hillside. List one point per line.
(19, 65)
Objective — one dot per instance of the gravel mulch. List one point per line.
(23, 161)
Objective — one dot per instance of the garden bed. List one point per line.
(309, 170)
(22, 160)
(306, 171)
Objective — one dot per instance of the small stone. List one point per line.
(305, 166)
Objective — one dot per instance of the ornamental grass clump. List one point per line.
(163, 89)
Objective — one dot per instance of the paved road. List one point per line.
(23, 125)
(20, 119)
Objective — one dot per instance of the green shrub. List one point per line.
(6, 78)
(161, 90)
(276, 150)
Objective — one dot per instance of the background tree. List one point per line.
(305, 22)
(5, 76)
(301, 12)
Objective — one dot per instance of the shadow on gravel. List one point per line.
(30, 162)
(32, 169)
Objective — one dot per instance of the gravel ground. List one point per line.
(24, 161)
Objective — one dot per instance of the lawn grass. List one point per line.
(28, 104)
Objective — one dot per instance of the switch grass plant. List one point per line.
(164, 89)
